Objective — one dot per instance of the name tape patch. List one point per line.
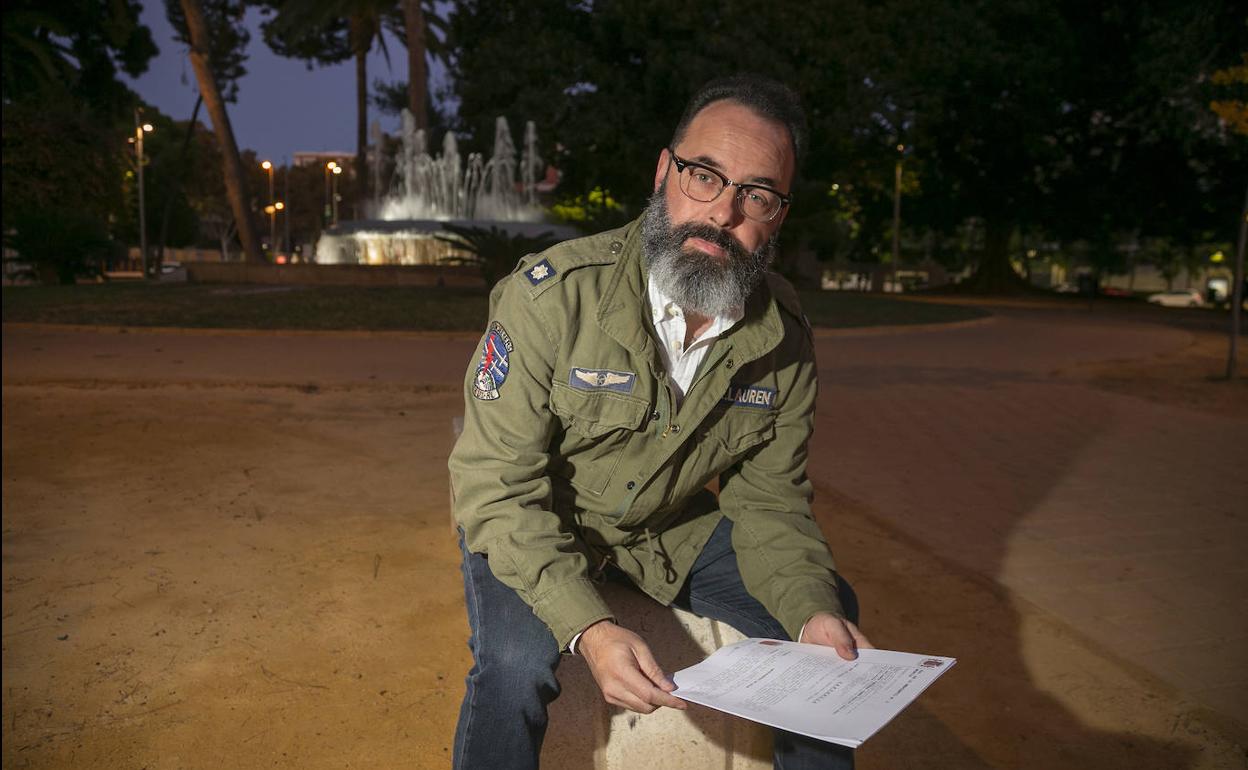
(749, 395)
(495, 361)
(601, 379)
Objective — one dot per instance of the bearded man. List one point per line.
(619, 376)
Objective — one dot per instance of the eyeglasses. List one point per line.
(704, 184)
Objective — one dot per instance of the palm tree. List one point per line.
(329, 32)
(235, 182)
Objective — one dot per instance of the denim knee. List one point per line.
(516, 664)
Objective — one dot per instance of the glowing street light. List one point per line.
(139, 130)
(267, 166)
(337, 173)
(272, 210)
(329, 168)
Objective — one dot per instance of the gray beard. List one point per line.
(696, 281)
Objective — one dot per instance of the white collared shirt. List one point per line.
(669, 326)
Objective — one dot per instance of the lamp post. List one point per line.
(290, 249)
(139, 130)
(267, 166)
(272, 210)
(329, 168)
(337, 173)
(901, 154)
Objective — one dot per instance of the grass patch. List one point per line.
(323, 308)
(250, 306)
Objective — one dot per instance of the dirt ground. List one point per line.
(239, 576)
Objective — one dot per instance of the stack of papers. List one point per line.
(809, 689)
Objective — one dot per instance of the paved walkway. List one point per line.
(1124, 518)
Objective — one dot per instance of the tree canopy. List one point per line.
(1027, 119)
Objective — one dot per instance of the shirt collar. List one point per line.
(663, 307)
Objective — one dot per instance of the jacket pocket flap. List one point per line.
(595, 413)
(747, 431)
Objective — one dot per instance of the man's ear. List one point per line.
(660, 172)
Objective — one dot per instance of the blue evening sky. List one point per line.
(282, 106)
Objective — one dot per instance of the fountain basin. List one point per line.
(413, 241)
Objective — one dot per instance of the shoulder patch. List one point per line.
(495, 361)
(542, 271)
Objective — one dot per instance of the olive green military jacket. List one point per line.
(574, 455)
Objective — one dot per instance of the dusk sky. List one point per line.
(282, 106)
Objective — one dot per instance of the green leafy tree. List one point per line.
(66, 118)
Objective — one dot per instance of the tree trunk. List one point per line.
(361, 37)
(235, 181)
(995, 274)
(417, 70)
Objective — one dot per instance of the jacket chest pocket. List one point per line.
(598, 426)
(736, 430)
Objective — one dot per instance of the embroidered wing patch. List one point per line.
(604, 379)
(495, 360)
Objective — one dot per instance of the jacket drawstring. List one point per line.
(669, 572)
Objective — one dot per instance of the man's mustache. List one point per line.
(712, 235)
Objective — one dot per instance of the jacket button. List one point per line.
(655, 415)
(729, 364)
(675, 429)
(631, 484)
(616, 246)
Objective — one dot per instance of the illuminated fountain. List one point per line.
(430, 192)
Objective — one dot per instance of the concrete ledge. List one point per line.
(336, 275)
(586, 732)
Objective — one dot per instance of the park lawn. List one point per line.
(324, 308)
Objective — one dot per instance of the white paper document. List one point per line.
(809, 689)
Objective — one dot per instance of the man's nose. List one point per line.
(723, 211)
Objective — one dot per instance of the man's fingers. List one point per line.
(859, 638)
(634, 691)
(626, 670)
(650, 667)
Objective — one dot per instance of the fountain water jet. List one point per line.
(429, 192)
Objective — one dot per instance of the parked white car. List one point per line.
(1178, 298)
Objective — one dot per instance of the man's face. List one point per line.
(707, 256)
(744, 147)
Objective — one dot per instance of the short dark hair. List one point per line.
(768, 98)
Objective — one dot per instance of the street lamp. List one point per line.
(286, 243)
(267, 166)
(272, 210)
(139, 130)
(901, 153)
(337, 172)
(329, 168)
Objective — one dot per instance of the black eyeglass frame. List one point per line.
(682, 164)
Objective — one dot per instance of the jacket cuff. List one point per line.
(800, 606)
(570, 608)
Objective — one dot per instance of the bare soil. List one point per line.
(238, 576)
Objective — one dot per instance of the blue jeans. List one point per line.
(502, 720)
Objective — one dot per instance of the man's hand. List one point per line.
(625, 670)
(829, 630)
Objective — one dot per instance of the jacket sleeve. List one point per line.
(783, 557)
(499, 484)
